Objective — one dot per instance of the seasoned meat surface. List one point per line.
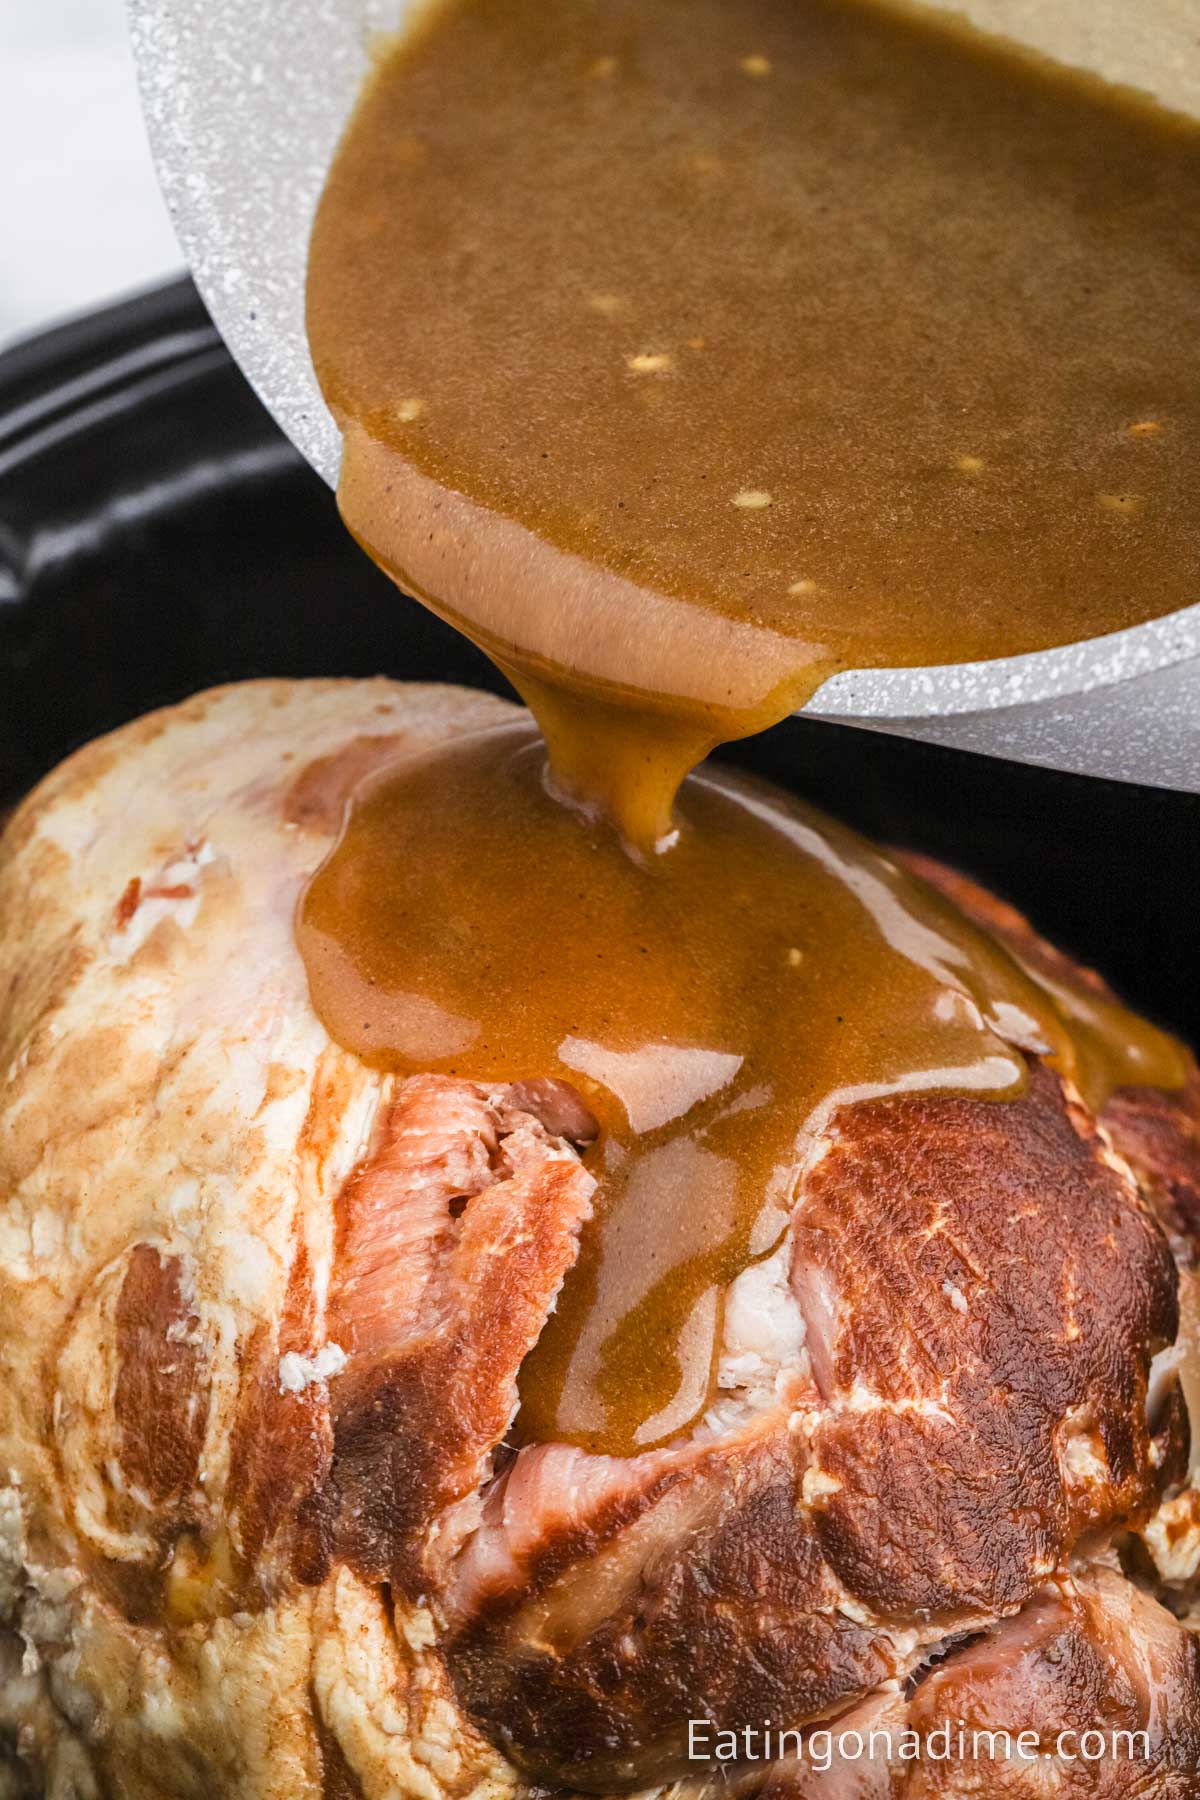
(966, 1426)
(264, 1528)
(1091, 1690)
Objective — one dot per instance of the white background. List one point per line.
(81, 220)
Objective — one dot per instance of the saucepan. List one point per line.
(245, 105)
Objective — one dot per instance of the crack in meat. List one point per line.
(453, 1239)
(1089, 1653)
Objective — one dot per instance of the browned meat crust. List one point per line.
(161, 1397)
(952, 1463)
(1158, 1133)
(1092, 1692)
(1096, 1655)
(281, 1454)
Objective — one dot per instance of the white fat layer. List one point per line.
(762, 1350)
(299, 1372)
(1165, 1369)
(1081, 1454)
(1173, 1538)
(1082, 1461)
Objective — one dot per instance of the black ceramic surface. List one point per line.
(158, 534)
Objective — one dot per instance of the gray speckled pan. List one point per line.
(245, 100)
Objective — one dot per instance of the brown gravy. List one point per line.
(685, 353)
(713, 1010)
(689, 350)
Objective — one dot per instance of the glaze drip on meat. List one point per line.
(714, 1010)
